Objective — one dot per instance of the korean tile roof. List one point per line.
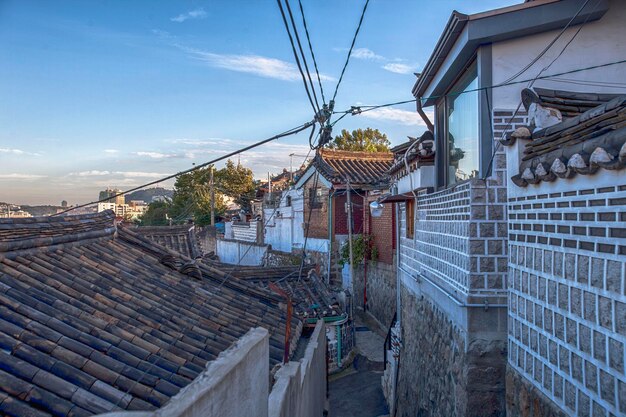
(95, 319)
(422, 152)
(180, 238)
(311, 296)
(582, 144)
(360, 168)
(569, 103)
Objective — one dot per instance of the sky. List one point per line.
(120, 93)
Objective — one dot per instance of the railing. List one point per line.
(387, 344)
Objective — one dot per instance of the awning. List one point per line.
(398, 198)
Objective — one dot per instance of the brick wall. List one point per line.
(382, 229)
(318, 223)
(567, 319)
(341, 216)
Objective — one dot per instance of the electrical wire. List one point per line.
(543, 52)
(306, 66)
(356, 110)
(295, 54)
(356, 33)
(308, 38)
(228, 275)
(221, 158)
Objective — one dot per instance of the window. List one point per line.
(288, 201)
(410, 218)
(316, 197)
(458, 132)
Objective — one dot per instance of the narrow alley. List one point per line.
(357, 391)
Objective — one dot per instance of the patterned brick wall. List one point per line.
(567, 319)
(567, 309)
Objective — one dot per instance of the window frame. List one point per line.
(481, 62)
(409, 209)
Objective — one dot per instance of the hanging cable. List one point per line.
(306, 66)
(295, 54)
(356, 33)
(308, 38)
(221, 158)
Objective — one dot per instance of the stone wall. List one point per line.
(446, 369)
(525, 400)
(381, 290)
(431, 379)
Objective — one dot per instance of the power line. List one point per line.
(356, 33)
(295, 54)
(221, 158)
(308, 38)
(543, 52)
(356, 110)
(306, 66)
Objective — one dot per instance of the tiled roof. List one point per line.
(180, 238)
(94, 319)
(423, 153)
(569, 103)
(578, 145)
(311, 296)
(360, 168)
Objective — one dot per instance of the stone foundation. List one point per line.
(381, 290)
(525, 400)
(445, 372)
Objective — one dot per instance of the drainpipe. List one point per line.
(350, 238)
(330, 234)
(338, 330)
(425, 118)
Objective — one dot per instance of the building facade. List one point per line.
(461, 265)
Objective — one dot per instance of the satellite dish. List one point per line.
(376, 209)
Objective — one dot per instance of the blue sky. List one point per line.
(118, 93)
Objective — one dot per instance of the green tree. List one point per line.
(236, 181)
(192, 198)
(156, 215)
(369, 140)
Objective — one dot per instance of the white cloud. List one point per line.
(20, 176)
(405, 117)
(14, 151)
(125, 174)
(251, 64)
(111, 151)
(365, 53)
(399, 68)
(155, 155)
(192, 14)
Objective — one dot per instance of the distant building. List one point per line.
(109, 196)
(64, 204)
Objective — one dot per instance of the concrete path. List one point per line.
(357, 391)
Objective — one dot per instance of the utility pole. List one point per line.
(212, 185)
(350, 238)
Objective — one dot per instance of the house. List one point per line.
(97, 318)
(325, 186)
(463, 259)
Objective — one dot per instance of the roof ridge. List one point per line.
(341, 154)
(38, 232)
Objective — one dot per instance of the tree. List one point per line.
(192, 198)
(236, 181)
(369, 140)
(156, 215)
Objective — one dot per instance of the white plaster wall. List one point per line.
(283, 226)
(421, 177)
(300, 387)
(597, 43)
(234, 385)
(241, 253)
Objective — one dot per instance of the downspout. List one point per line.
(425, 118)
(338, 345)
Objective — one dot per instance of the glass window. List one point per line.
(463, 139)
